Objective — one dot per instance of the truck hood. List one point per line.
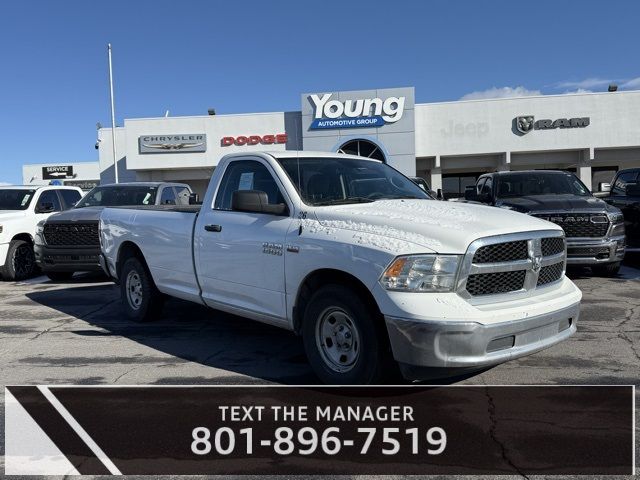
(442, 227)
(554, 203)
(84, 214)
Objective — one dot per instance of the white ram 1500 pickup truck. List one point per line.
(357, 259)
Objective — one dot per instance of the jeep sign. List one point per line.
(57, 172)
(367, 112)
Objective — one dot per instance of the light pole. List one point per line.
(113, 117)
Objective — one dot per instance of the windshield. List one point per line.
(116, 196)
(14, 199)
(333, 181)
(538, 183)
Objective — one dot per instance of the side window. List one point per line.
(622, 181)
(70, 197)
(246, 175)
(168, 196)
(480, 185)
(50, 196)
(488, 186)
(182, 195)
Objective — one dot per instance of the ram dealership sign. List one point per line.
(57, 172)
(526, 123)
(361, 113)
(173, 143)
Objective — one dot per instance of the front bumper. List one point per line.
(595, 251)
(66, 259)
(471, 345)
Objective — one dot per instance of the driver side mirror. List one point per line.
(194, 199)
(255, 201)
(604, 187)
(45, 207)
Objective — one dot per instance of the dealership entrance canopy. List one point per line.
(449, 143)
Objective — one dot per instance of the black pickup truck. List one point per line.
(624, 194)
(595, 230)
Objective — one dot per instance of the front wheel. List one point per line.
(343, 339)
(141, 299)
(20, 263)
(608, 270)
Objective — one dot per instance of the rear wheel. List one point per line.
(608, 270)
(343, 339)
(59, 276)
(20, 263)
(141, 300)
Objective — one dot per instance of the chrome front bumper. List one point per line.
(595, 251)
(471, 345)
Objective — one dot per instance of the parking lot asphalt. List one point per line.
(75, 333)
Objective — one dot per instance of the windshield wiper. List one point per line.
(343, 201)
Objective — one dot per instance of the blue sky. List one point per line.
(245, 56)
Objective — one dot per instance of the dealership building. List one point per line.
(447, 143)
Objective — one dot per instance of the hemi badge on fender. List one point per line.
(293, 248)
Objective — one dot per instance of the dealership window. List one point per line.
(246, 175)
(362, 148)
(455, 184)
(602, 175)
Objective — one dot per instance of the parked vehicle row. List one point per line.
(356, 258)
(595, 230)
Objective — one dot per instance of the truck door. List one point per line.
(240, 255)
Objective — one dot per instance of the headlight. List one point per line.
(422, 273)
(615, 217)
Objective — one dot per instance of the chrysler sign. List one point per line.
(366, 112)
(526, 123)
(173, 143)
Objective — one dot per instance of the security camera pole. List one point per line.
(113, 117)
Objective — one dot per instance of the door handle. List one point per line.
(213, 228)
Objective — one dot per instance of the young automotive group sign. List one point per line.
(331, 113)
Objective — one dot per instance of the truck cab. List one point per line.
(624, 193)
(21, 209)
(595, 230)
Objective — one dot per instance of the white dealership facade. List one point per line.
(448, 143)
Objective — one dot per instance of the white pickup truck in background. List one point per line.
(21, 208)
(357, 259)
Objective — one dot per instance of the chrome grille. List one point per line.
(550, 273)
(552, 246)
(579, 225)
(498, 282)
(501, 252)
(72, 234)
(514, 264)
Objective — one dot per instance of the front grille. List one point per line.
(502, 252)
(580, 225)
(550, 273)
(597, 252)
(552, 246)
(496, 282)
(72, 234)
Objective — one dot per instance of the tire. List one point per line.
(59, 276)
(20, 263)
(141, 300)
(608, 270)
(345, 342)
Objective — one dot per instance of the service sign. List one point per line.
(57, 172)
(83, 184)
(330, 113)
(173, 143)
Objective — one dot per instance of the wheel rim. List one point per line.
(338, 340)
(133, 285)
(23, 261)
